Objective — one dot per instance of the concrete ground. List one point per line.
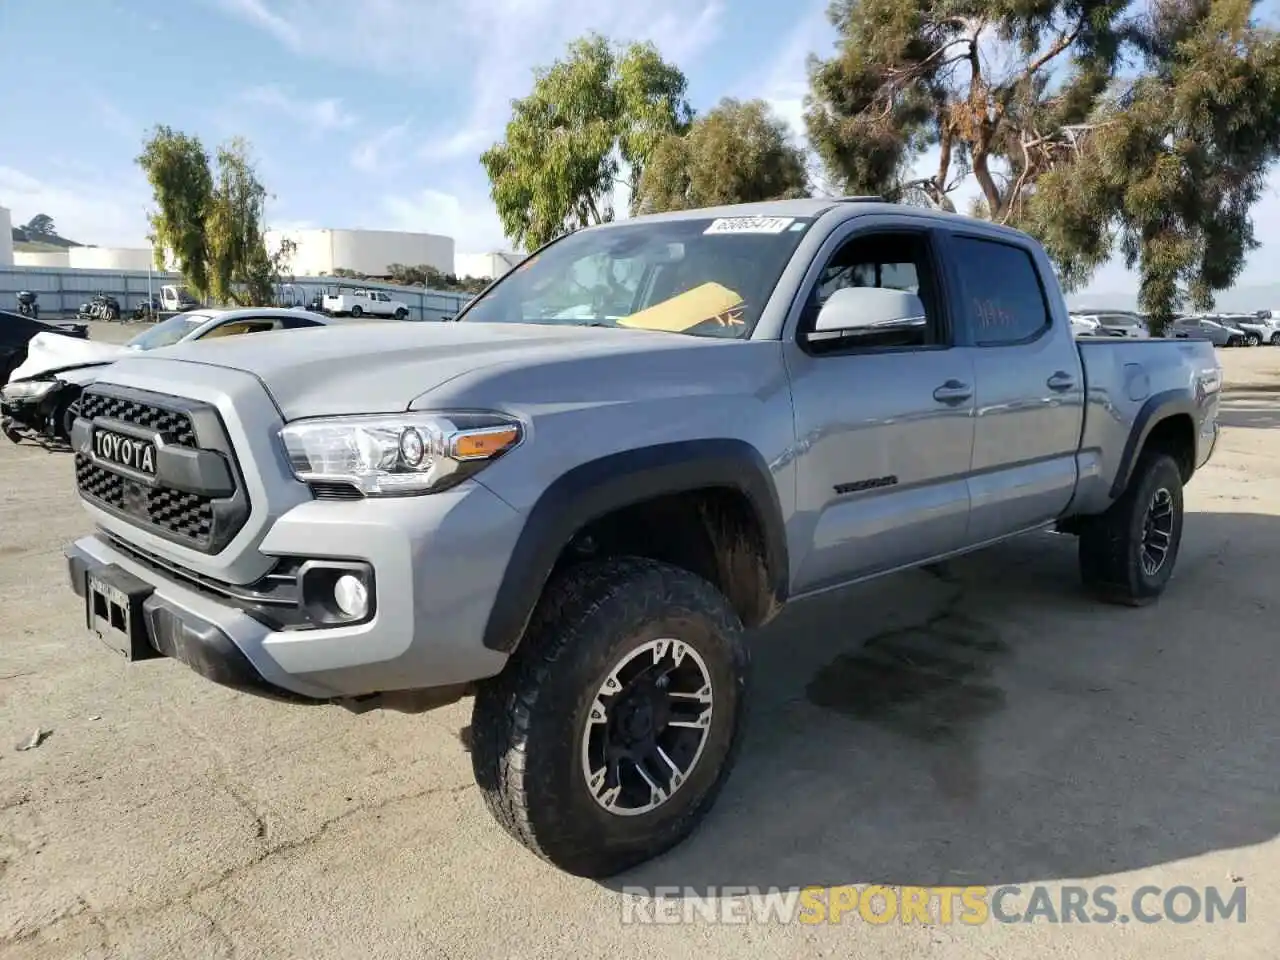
(986, 724)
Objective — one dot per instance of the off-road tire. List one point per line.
(1111, 544)
(528, 722)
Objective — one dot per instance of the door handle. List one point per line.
(953, 392)
(1061, 381)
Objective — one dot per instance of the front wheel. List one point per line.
(609, 734)
(1234, 341)
(1253, 340)
(401, 313)
(1127, 554)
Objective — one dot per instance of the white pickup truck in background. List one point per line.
(357, 303)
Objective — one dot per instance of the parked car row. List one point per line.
(38, 401)
(1222, 330)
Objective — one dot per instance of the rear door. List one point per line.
(884, 426)
(1029, 409)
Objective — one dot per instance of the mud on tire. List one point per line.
(538, 727)
(1127, 554)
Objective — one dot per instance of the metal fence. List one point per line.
(62, 290)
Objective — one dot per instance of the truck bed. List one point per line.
(1126, 383)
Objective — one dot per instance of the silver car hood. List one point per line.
(377, 368)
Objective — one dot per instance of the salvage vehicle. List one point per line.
(39, 401)
(17, 331)
(102, 307)
(358, 303)
(29, 304)
(574, 500)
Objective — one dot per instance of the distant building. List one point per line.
(486, 266)
(87, 258)
(6, 238)
(366, 252)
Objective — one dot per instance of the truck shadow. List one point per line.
(989, 723)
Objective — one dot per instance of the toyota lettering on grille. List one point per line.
(128, 452)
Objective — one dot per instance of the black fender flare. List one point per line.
(1159, 407)
(596, 488)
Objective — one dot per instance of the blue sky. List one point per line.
(361, 113)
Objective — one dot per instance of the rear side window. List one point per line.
(1002, 291)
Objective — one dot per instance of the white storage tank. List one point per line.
(367, 252)
(109, 258)
(41, 258)
(6, 238)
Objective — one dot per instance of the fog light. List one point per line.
(351, 596)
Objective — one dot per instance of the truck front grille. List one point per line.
(168, 504)
(186, 515)
(173, 425)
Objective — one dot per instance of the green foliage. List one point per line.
(240, 269)
(428, 276)
(41, 225)
(588, 114)
(736, 153)
(1092, 124)
(177, 168)
(1176, 161)
(213, 222)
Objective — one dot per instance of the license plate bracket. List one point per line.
(113, 600)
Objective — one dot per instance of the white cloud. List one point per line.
(470, 220)
(111, 117)
(370, 156)
(86, 209)
(318, 115)
(786, 79)
(261, 15)
(486, 49)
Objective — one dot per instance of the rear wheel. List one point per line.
(1275, 339)
(1127, 554)
(356, 311)
(609, 734)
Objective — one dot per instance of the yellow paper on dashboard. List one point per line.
(686, 310)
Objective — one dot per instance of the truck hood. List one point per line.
(377, 368)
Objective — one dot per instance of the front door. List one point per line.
(1030, 401)
(884, 425)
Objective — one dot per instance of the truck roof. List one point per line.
(814, 207)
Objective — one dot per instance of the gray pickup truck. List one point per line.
(572, 501)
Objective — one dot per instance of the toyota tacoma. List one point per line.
(575, 502)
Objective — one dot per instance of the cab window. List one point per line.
(892, 261)
(238, 327)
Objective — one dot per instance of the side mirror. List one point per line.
(872, 313)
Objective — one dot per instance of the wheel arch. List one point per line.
(687, 497)
(1167, 423)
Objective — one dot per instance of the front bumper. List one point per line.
(437, 562)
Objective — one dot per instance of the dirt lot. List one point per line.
(989, 725)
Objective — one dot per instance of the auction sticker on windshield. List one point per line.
(750, 225)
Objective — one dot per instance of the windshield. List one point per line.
(704, 277)
(167, 332)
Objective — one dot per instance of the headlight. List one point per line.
(401, 453)
(28, 389)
